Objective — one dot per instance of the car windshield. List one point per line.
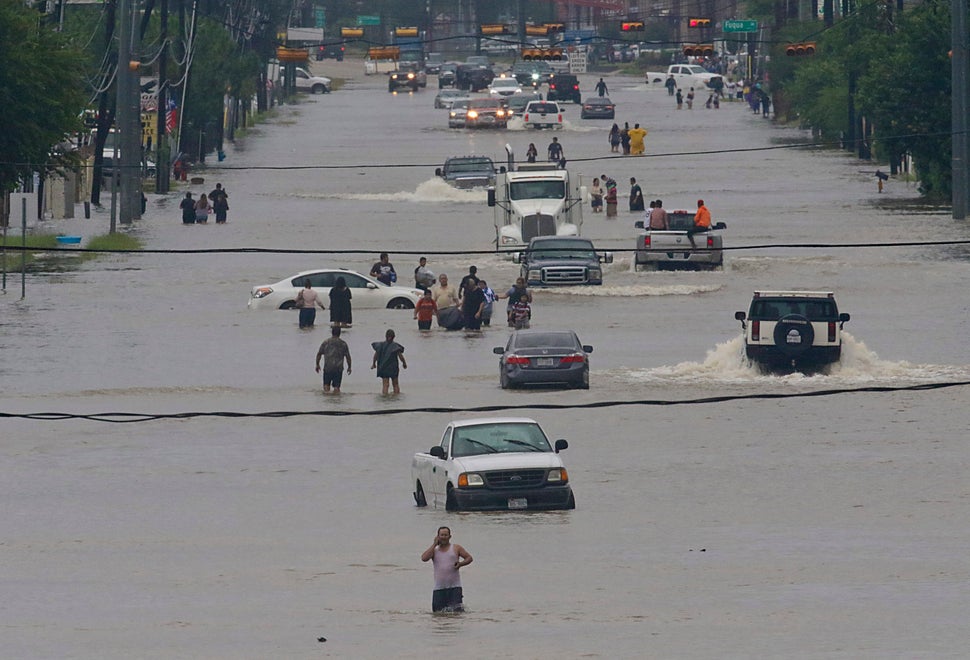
(519, 102)
(772, 309)
(460, 104)
(499, 438)
(563, 250)
(486, 103)
(469, 165)
(537, 190)
(696, 68)
(545, 340)
(600, 101)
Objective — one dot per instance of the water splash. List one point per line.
(632, 290)
(433, 190)
(726, 364)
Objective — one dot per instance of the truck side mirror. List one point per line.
(605, 257)
(498, 350)
(638, 224)
(437, 171)
(491, 196)
(843, 317)
(587, 348)
(502, 170)
(740, 317)
(720, 225)
(560, 445)
(437, 451)
(516, 257)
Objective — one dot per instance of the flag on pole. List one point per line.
(171, 116)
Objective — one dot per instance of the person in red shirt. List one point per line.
(425, 310)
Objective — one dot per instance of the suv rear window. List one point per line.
(543, 108)
(766, 309)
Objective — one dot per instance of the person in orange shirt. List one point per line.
(702, 220)
(425, 310)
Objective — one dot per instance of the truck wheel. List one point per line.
(318, 89)
(793, 335)
(419, 497)
(451, 502)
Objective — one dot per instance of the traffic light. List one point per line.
(634, 26)
(698, 50)
(552, 28)
(351, 32)
(699, 22)
(542, 54)
(406, 32)
(800, 49)
(494, 28)
(536, 30)
(384, 53)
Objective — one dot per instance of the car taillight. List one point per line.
(831, 331)
(525, 117)
(559, 118)
(646, 241)
(574, 358)
(516, 359)
(575, 86)
(756, 331)
(710, 241)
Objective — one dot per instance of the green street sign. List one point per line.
(740, 26)
(368, 20)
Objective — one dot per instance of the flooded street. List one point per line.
(823, 526)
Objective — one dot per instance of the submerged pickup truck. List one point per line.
(687, 75)
(468, 171)
(673, 248)
(492, 464)
(561, 260)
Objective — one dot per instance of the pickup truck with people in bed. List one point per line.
(681, 245)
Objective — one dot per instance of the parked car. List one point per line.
(366, 291)
(457, 113)
(543, 357)
(786, 330)
(542, 114)
(598, 107)
(306, 82)
(446, 97)
(564, 87)
(497, 463)
(486, 113)
(504, 87)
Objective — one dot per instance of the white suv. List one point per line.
(793, 329)
(542, 114)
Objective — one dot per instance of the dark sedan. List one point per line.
(543, 357)
(598, 107)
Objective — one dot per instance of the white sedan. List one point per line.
(504, 87)
(366, 292)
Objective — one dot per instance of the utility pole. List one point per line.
(959, 74)
(162, 149)
(129, 118)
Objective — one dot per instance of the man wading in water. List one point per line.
(447, 558)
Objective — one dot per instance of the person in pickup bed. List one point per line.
(702, 221)
(658, 217)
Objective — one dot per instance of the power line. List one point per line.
(129, 417)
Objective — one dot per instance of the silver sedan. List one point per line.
(543, 357)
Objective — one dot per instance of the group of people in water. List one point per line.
(197, 211)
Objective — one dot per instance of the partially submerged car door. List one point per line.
(438, 479)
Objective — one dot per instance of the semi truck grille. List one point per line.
(564, 275)
(538, 225)
(515, 478)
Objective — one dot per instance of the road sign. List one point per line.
(740, 26)
(368, 20)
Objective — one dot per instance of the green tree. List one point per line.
(42, 95)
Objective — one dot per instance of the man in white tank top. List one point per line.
(447, 558)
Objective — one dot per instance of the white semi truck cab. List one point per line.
(535, 199)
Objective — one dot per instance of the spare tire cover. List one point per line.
(794, 334)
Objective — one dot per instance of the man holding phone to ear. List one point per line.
(447, 558)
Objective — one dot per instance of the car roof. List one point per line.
(599, 100)
(794, 294)
(492, 420)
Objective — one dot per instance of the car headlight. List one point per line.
(410, 76)
(470, 480)
(262, 292)
(557, 475)
(509, 240)
(500, 113)
(535, 274)
(472, 114)
(595, 273)
(535, 76)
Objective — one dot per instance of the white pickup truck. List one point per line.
(497, 463)
(686, 75)
(673, 248)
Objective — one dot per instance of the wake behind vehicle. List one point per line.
(502, 463)
(544, 357)
(786, 330)
(366, 291)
